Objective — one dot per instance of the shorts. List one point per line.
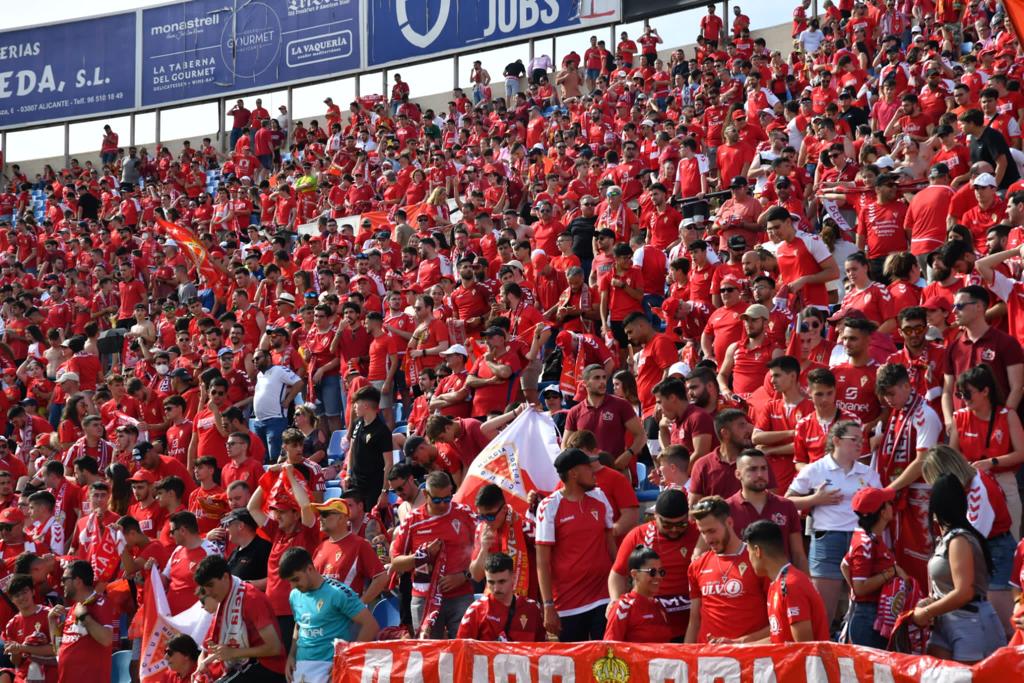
(969, 636)
(1002, 548)
(592, 74)
(529, 378)
(328, 395)
(310, 670)
(266, 160)
(386, 400)
(827, 551)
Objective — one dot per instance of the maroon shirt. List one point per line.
(606, 420)
(694, 421)
(776, 509)
(712, 476)
(995, 348)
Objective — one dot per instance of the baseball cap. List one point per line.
(613, 191)
(140, 450)
(332, 505)
(870, 500)
(756, 311)
(738, 181)
(239, 515)
(737, 242)
(225, 351)
(286, 297)
(68, 377)
(12, 515)
(180, 373)
(679, 368)
(144, 475)
(571, 457)
(494, 330)
(551, 389)
(456, 349)
(985, 180)
(885, 161)
(937, 303)
(516, 264)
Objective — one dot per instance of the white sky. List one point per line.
(307, 101)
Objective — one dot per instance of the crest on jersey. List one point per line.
(683, 551)
(319, 605)
(522, 621)
(594, 513)
(743, 568)
(997, 435)
(988, 354)
(863, 380)
(337, 556)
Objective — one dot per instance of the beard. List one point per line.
(589, 486)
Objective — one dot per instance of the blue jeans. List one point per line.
(235, 134)
(270, 431)
(653, 301)
(862, 625)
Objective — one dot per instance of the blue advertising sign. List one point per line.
(403, 30)
(208, 48)
(67, 71)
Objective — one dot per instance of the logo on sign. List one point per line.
(250, 42)
(503, 16)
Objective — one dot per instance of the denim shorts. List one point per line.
(328, 394)
(969, 636)
(827, 551)
(1002, 548)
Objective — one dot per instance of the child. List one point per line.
(27, 635)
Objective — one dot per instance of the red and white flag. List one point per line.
(158, 627)
(520, 459)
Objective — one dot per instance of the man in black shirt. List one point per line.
(252, 553)
(854, 116)
(88, 205)
(582, 228)
(988, 144)
(369, 456)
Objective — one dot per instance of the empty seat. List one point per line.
(386, 613)
(120, 667)
(332, 492)
(334, 449)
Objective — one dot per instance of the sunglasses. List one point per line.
(725, 290)
(652, 572)
(440, 500)
(678, 524)
(490, 516)
(324, 514)
(914, 329)
(962, 306)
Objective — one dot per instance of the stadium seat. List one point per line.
(645, 491)
(334, 450)
(335, 483)
(119, 670)
(386, 613)
(402, 429)
(332, 492)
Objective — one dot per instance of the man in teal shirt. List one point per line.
(324, 611)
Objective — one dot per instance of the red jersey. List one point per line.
(779, 416)
(855, 390)
(19, 629)
(351, 560)
(210, 439)
(580, 564)
(657, 356)
(635, 618)
(868, 555)
(792, 598)
(732, 598)
(181, 588)
(801, 256)
(725, 327)
(76, 645)
(455, 528)
(249, 471)
(488, 619)
(881, 226)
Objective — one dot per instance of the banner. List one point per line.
(519, 459)
(67, 71)
(401, 30)
(1015, 10)
(417, 661)
(209, 48)
(158, 627)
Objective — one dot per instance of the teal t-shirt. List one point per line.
(323, 615)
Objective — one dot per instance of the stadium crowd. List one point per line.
(778, 291)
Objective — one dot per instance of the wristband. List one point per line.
(549, 603)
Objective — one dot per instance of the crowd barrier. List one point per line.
(470, 661)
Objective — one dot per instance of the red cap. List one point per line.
(12, 515)
(564, 339)
(938, 303)
(870, 500)
(43, 441)
(144, 475)
(729, 280)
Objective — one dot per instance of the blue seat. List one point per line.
(119, 669)
(334, 483)
(645, 491)
(332, 492)
(402, 429)
(334, 451)
(392, 498)
(386, 613)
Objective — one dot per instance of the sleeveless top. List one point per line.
(939, 574)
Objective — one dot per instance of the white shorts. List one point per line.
(312, 671)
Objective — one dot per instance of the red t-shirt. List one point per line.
(579, 558)
(635, 618)
(882, 227)
(179, 437)
(621, 304)
(495, 397)
(151, 518)
(76, 645)
(257, 614)
(352, 560)
(798, 601)
(657, 356)
(454, 528)
(855, 390)
(277, 588)
(868, 555)
(211, 441)
(725, 327)
(733, 600)
(181, 588)
(19, 628)
(381, 347)
(249, 471)
(486, 619)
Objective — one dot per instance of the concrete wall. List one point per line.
(777, 37)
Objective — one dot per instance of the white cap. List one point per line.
(885, 161)
(768, 112)
(68, 377)
(647, 122)
(455, 349)
(985, 180)
(516, 264)
(679, 368)
(171, 243)
(915, 29)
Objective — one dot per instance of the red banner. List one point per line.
(444, 661)
(196, 251)
(1015, 10)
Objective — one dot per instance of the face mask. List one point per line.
(162, 369)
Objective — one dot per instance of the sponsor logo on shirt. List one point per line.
(731, 588)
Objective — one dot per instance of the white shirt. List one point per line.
(826, 472)
(271, 387)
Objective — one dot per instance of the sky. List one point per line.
(307, 101)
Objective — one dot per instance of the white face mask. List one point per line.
(162, 369)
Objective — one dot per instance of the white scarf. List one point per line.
(232, 625)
